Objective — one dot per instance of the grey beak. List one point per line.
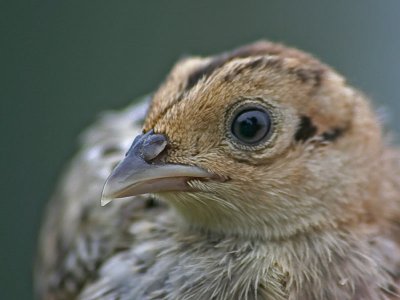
(137, 174)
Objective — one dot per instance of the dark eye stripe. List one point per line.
(333, 134)
(306, 129)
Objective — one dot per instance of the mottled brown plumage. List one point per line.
(312, 211)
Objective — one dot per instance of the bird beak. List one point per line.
(139, 174)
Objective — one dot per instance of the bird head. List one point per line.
(262, 141)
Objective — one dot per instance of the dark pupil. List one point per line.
(251, 126)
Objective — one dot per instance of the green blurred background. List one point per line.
(63, 62)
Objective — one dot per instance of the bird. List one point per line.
(254, 174)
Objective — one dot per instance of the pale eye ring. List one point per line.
(251, 125)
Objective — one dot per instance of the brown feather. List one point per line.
(311, 213)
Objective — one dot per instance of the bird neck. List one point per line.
(336, 264)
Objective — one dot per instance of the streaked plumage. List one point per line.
(312, 211)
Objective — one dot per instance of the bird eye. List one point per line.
(251, 126)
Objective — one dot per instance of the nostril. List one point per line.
(153, 146)
(148, 146)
